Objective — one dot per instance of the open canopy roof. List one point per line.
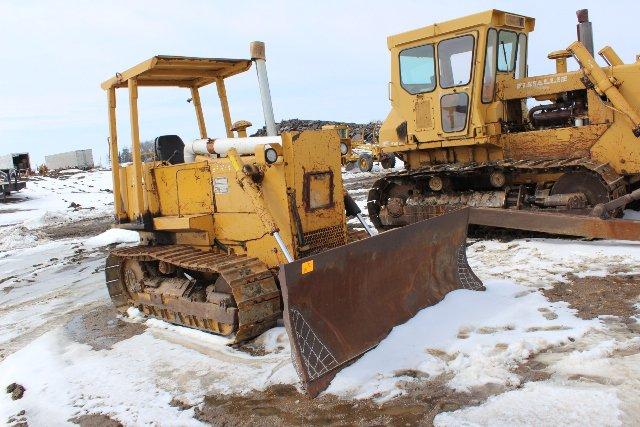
(180, 71)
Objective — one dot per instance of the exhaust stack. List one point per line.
(259, 57)
(585, 30)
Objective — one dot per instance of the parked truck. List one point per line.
(10, 178)
(78, 159)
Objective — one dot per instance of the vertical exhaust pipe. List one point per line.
(585, 31)
(259, 57)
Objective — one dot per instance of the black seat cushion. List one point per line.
(170, 148)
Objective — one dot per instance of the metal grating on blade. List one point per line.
(317, 358)
(466, 277)
(323, 239)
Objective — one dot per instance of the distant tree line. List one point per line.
(147, 149)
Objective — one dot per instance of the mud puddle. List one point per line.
(283, 405)
(80, 228)
(101, 328)
(95, 420)
(592, 296)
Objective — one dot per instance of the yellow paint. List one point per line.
(307, 266)
(605, 134)
(212, 201)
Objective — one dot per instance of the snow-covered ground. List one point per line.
(48, 202)
(470, 340)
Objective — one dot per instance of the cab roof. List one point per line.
(178, 71)
(491, 17)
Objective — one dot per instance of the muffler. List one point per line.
(341, 303)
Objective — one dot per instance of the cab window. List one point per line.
(489, 78)
(417, 69)
(454, 108)
(521, 60)
(507, 41)
(455, 58)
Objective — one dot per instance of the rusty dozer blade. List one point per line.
(341, 303)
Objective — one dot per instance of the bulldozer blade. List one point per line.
(341, 303)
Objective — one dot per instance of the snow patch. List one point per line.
(543, 262)
(474, 337)
(134, 381)
(113, 236)
(19, 237)
(135, 314)
(541, 404)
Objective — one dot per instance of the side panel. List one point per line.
(236, 224)
(314, 182)
(563, 142)
(183, 189)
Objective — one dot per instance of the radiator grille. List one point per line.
(323, 239)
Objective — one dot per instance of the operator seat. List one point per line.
(169, 148)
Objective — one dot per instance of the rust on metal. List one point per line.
(340, 303)
(244, 299)
(557, 223)
(308, 191)
(402, 185)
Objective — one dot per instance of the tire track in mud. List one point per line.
(52, 308)
(15, 344)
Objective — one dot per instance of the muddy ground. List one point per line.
(285, 405)
(82, 228)
(99, 327)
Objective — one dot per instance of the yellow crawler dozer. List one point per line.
(475, 130)
(237, 232)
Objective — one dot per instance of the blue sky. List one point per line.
(326, 60)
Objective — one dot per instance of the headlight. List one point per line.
(270, 155)
(344, 148)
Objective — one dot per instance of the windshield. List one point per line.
(507, 41)
(454, 60)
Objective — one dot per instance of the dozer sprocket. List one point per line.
(251, 306)
(612, 184)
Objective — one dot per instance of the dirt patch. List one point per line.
(95, 420)
(18, 420)
(16, 390)
(284, 405)
(10, 211)
(598, 296)
(532, 370)
(101, 328)
(80, 228)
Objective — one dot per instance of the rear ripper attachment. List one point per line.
(341, 303)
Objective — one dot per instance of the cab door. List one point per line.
(418, 81)
(456, 56)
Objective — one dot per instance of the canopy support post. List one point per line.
(113, 154)
(138, 207)
(195, 97)
(224, 104)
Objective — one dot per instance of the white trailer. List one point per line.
(6, 162)
(78, 159)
